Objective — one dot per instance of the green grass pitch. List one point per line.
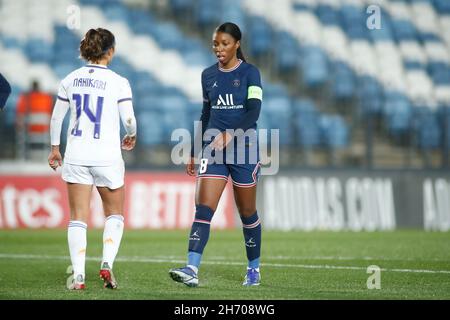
(294, 265)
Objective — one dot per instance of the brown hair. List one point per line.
(96, 44)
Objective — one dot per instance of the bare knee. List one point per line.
(112, 199)
(79, 215)
(246, 211)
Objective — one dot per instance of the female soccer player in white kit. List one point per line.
(97, 97)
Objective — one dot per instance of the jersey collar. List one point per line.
(232, 69)
(94, 65)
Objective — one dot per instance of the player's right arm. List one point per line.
(59, 112)
(204, 119)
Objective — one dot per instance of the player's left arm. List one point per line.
(127, 117)
(253, 102)
(59, 111)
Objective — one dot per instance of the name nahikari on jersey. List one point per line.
(89, 82)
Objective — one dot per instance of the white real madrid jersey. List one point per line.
(94, 93)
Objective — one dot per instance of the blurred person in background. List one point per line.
(98, 98)
(232, 97)
(5, 91)
(33, 112)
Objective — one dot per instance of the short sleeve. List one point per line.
(125, 91)
(62, 93)
(254, 84)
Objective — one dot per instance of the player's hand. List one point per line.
(190, 167)
(54, 158)
(128, 142)
(221, 141)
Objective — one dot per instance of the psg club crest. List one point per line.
(236, 82)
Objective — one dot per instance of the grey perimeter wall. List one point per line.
(355, 200)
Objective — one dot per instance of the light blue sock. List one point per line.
(194, 259)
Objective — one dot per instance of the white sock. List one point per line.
(76, 236)
(257, 269)
(194, 268)
(112, 235)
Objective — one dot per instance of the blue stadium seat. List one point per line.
(439, 72)
(343, 85)
(300, 6)
(181, 6)
(413, 65)
(287, 57)
(307, 123)
(278, 109)
(121, 67)
(442, 6)
(143, 22)
(370, 95)
(427, 129)
(334, 131)
(428, 37)
(354, 21)
(397, 112)
(144, 84)
(404, 30)
(39, 50)
(63, 69)
(232, 11)
(327, 15)
(117, 11)
(260, 33)
(66, 44)
(168, 36)
(11, 42)
(194, 52)
(206, 13)
(273, 89)
(314, 65)
(150, 130)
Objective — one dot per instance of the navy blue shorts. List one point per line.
(242, 175)
(244, 172)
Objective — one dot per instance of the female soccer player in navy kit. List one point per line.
(98, 99)
(232, 97)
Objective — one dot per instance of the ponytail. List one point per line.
(240, 55)
(96, 44)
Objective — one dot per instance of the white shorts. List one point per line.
(111, 177)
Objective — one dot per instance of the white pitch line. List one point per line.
(233, 263)
(336, 258)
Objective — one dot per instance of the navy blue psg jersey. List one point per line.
(227, 90)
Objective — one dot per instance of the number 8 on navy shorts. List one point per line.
(242, 175)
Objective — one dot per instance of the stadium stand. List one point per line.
(392, 74)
